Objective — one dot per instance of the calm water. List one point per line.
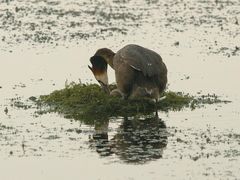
(45, 43)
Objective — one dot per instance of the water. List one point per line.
(43, 44)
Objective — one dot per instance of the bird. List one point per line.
(139, 72)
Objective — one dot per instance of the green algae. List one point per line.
(88, 101)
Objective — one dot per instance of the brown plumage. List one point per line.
(139, 72)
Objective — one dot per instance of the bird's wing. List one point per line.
(141, 59)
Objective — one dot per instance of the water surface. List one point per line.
(44, 44)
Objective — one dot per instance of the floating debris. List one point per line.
(32, 98)
(176, 43)
(6, 110)
(227, 51)
(19, 103)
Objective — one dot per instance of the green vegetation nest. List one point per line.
(89, 101)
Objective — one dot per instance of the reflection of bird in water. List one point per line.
(139, 72)
(136, 141)
(139, 141)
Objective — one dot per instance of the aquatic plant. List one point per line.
(89, 101)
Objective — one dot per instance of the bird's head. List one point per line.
(99, 70)
(106, 54)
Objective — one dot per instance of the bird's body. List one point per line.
(139, 72)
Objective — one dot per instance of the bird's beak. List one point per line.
(90, 68)
(105, 87)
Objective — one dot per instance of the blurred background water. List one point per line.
(44, 44)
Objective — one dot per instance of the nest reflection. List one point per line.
(136, 140)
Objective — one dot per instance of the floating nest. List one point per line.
(80, 101)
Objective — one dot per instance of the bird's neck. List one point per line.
(110, 62)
